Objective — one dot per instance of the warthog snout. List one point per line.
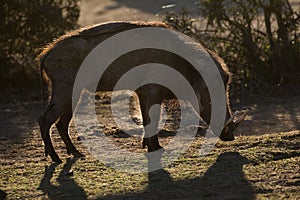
(231, 124)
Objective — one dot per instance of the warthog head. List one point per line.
(231, 124)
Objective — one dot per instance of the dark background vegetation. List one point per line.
(258, 39)
(25, 28)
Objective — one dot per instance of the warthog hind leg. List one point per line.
(62, 127)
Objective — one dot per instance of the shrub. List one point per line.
(258, 39)
(25, 27)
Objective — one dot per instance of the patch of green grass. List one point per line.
(263, 167)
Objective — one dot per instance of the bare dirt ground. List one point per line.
(93, 11)
(263, 162)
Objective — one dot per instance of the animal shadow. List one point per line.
(67, 188)
(223, 180)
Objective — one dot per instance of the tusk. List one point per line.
(231, 118)
(240, 118)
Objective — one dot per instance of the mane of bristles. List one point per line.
(96, 30)
(46, 49)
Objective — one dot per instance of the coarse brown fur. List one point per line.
(88, 31)
(60, 61)
(92, 31)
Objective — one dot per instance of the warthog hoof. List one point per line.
(152, 143)
(225, 137)
(55, 158)
(77, 154)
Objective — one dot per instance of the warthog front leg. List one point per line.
(150, 138)
(47, 118)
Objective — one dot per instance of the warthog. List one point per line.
(60, 61)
